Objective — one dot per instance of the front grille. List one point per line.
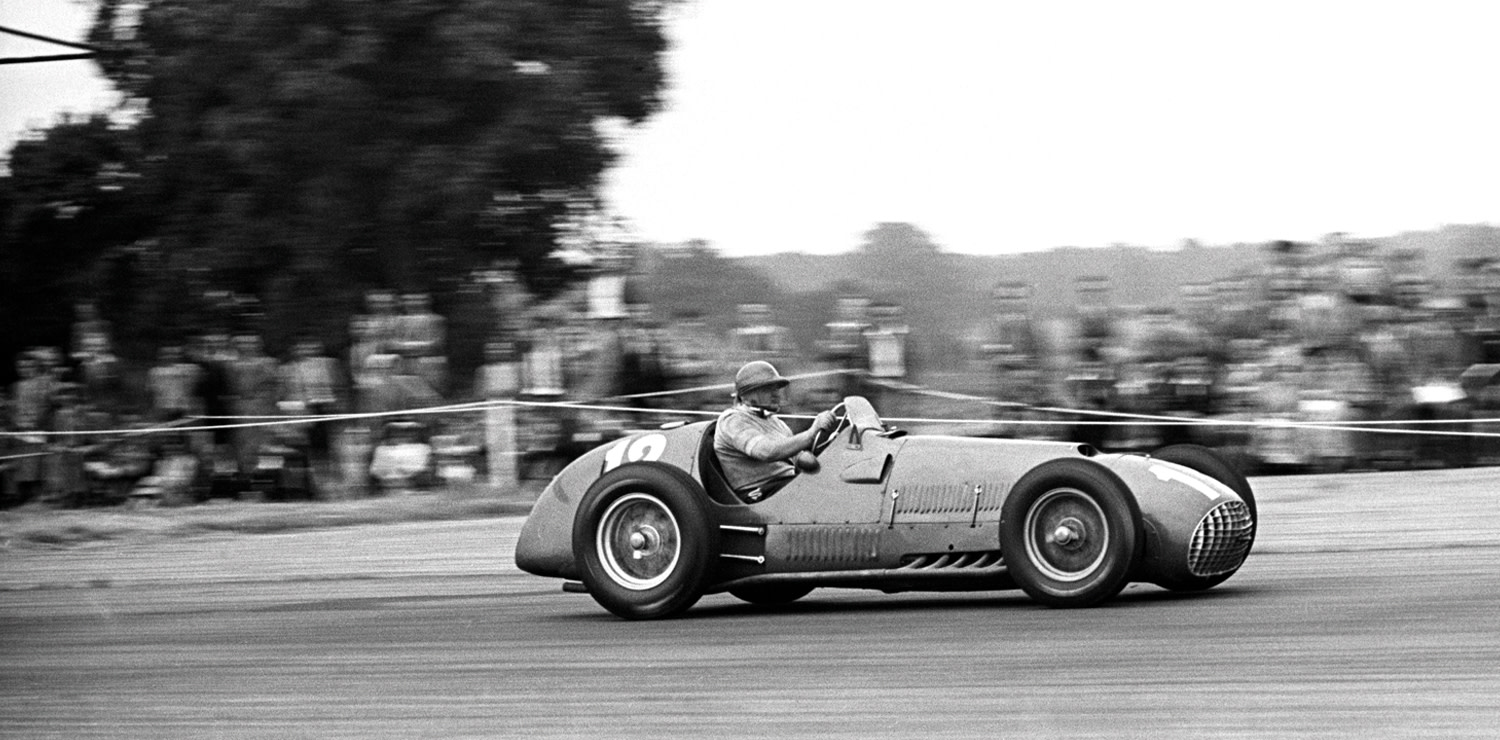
(1222, 540)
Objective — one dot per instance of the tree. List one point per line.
(304, 149)
(892, 254)
(64, 206)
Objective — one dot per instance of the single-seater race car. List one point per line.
(648, 523)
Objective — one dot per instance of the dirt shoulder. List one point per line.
(37, 527)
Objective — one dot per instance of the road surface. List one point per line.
(1369, 609)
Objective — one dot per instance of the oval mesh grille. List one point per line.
(1222, 540)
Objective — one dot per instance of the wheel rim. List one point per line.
(1067, 535)
(638, 541)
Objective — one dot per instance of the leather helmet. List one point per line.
(757, 374)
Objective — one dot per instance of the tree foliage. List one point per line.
(66, 204)
(302, 150)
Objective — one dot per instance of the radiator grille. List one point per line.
(1222, 540)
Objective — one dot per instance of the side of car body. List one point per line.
(889, 511)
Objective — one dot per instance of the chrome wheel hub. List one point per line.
(1067, 535)
(638, 541)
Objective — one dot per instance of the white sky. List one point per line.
(1019, 126)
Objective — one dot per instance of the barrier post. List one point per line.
(500, 381)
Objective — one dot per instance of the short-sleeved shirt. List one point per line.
(741, 440)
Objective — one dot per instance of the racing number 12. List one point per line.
(647, 448)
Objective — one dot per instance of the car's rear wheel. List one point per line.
(644, 541)
(771, 594)
(1070, 532)
(1213, 465)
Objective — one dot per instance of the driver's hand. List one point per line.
(806, 462)
(825, 422)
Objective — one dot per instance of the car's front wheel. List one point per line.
(1070, 532)
(644, 541)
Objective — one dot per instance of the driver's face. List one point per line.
(770, 399)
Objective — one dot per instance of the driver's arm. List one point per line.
(767, 447)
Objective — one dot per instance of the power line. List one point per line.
(51, 58)
(92, 51)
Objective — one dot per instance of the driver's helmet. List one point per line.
(755, 375)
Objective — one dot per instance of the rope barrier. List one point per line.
(1267, 424)
(1163, 420)
(1107, 418)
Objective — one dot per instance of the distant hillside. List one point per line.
(1443, 249)
(947, 296)
(1139, 276)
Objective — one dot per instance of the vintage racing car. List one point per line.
(648, 524)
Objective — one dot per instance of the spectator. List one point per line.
(113, 467)
(421, 336)
(309, 386)
(75, 417)
(499, 380)
(173, 475)
(171, 383)
(363, 343)
(1013, 355)
(643, 369)
(759, 337)
(843, 350)
(215, 397)
(93, 351)
(30, 412)
(253, 378)
(90, 333)
(886, 341)
(1094, 320)
(381, 317)
(389, 386)
(694, 359)
(402, 460)
(542, 364)
(32, 393)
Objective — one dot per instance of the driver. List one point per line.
(758, 451)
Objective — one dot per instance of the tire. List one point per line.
(644, 541)
(771, 594)
(1213, 465)
(1092, 507)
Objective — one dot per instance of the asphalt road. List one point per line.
(1369, 609)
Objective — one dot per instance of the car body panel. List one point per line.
(884, 510)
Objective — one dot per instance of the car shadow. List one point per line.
(853, 601)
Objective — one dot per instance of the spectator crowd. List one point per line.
(1353, 348)
(1335, 335)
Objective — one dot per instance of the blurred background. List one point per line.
(219, 218)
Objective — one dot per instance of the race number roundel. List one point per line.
(645, 448)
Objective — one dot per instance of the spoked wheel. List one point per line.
(645, 541)
(638, 541)
(1070, 533)
(771, 594)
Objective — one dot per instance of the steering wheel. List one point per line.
(841, 420)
